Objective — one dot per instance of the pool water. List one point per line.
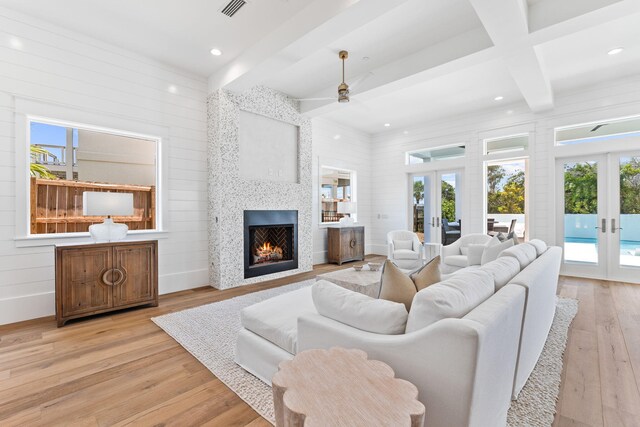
(586, 250)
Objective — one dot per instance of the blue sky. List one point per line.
(42, 133)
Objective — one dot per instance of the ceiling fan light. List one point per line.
(343, 98)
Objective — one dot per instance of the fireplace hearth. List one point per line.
(270, 241)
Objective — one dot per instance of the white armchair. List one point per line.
(454, 256)
(405, 249)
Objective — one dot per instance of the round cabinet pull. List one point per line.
(352, 243)
(120, 279)
(104, 278)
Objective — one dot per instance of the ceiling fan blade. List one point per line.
(357, 82)
(328, 98)
(598, 127)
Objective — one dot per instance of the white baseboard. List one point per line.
(176, 282)
(27, 307)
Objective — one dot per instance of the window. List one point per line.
(506, 196)
(598, 131)
(67, 159)
(505, 145)
(337, 194)
(428, 155)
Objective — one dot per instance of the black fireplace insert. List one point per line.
(270, 242)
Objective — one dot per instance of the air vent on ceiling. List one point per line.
(233, 7)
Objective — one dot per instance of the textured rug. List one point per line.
(209, 333)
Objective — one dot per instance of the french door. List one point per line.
(436, 203)
(599, 215)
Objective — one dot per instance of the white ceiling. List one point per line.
(427, 60)
(178, 33)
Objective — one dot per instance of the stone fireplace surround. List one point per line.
(230, 195)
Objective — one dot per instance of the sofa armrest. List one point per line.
(439, 360)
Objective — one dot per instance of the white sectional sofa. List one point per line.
(466, 366)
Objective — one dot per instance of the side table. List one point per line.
(340, 387)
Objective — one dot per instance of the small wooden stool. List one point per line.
(340, 387)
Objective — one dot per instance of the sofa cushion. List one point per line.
(276, 319)
(405, 254)
(456, 260)
(474, 256)
(427, 275)
(451, 298)
(503, 270)
(540, 246)
(491, 254)
(395, 285)
(358, 310)
(524, 253)
(403, 244)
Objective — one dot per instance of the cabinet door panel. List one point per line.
(134, 275)
(83, 271)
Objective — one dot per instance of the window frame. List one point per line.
(353, 184)
(28, 111)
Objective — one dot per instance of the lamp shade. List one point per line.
(347, 207)
(96, 203)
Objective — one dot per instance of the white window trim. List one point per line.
(27, 110)
(354, 193)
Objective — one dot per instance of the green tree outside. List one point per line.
(448, 201)
(507, 198)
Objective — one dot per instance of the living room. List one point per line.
(227, 120)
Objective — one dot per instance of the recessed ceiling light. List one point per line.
(406, 132)
(216, 52)
(15, 43)
(336, 136)
(172, 89)
(615, 51)
(365, 58)
(387, 125)
(498, 98)
(509, 111)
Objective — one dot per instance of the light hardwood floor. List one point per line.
(121, 369)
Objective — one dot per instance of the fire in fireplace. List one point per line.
(270, 242)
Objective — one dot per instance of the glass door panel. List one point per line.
(625, 221)
(423, 207)
(449, 206)
(582, 221)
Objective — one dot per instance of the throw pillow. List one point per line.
(396, 286)
(501, 236)
(403, 244)
(358, 310)
(427, 275)
(494, 241)
(475, 254)
(491, 253)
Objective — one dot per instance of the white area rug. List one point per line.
(209, 333)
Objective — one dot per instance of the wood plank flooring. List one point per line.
(120, 369)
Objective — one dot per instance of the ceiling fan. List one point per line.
(344, 91)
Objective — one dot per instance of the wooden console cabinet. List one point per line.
(98, 278)
(345, 244)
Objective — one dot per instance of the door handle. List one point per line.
(613, 226)
(433, 221)
(603, 228)
(438, 221)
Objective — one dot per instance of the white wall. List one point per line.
(352, 151)
(390, 206)
(74, 73)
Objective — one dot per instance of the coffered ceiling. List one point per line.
(416, 60)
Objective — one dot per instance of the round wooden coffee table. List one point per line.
(340, 387)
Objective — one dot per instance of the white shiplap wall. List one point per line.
(48, 65)
(351, 151)
(390, 209)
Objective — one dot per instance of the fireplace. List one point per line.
(270, 242)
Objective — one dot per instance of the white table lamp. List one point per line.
(96, 203)
(347, 208)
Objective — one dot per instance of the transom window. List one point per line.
(428, 155)
(598, 131)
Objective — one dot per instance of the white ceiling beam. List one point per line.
(316, 26)
(507, 23)
(465, 50)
